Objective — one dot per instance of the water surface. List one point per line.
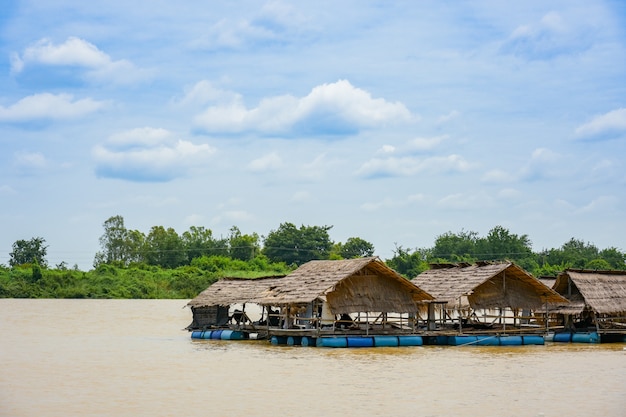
(131, 358)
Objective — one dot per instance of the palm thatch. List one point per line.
(228, 291)
(349, 286)
(487, 285)
(603, 292)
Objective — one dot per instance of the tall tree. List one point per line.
(244, 247)
(355, 247)
(500, 243)
(199, 241)
(31, 251)
(455, 247)
(114, 243)
(409, 263)
(294, 245)
(164, 248)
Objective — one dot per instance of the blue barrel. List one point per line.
(307, 341)
(196, 335)
(278, 340)
(207, 334)
(293, 340)
(585, 338)
(485, 340)
(237, 335)
(462, 340)
(225, 335)
(216, 334)
(533, 340)
(386, 341)
(563, 337)
(360, 341)
(332, 342)
(410, 341)
(511, 341)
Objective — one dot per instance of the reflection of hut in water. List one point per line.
(597, 304)
(352, 296)
(217, 307)
(485, 296)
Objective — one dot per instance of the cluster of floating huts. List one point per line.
(364, 303)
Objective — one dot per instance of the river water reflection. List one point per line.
(130, 358)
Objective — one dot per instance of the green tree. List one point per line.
(135, 246)
(500, 243)
(164, 248)
(199, 241)
(455, 247)
(614, 257)
(409, 263)
(296, 246)
(573, 254)
(114, 243)
(243, 247)
(355, 247)
(31, 251)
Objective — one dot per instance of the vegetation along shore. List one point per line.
(165, 264)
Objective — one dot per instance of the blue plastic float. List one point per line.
(380, 341)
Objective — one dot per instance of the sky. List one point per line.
(395, 122)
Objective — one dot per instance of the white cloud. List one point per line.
(49, 106)
(609, 124)
(335, 108)
(448, 117)
(30, 163)
(7, 190)
(425, 144)
(497, 176)
(204, 92)
(269, 162)
(148, 154)
(542, 165)
(599, 204)
(386, 149)
(409, 166)
(76, 52)
(552, 36)
(270, 25)
(316, 169)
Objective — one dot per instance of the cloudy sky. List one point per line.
(391, 121)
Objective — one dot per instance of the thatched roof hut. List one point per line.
(486, 285)
(228, 291)
(348, 286)
(603, 292)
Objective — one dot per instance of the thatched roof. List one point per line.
(348, 285)
(229, 291)
(487, 285)
(602, 291)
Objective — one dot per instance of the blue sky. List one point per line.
(391, 121)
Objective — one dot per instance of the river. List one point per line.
(131, 358)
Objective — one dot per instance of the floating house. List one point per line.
(488, 299)
(219, 312)
(596, 311)
(344, 303)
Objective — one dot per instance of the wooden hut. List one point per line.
(353, 295)
(597, 300)
(485, 295)
(212, 307)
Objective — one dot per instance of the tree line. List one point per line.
(165, 264)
